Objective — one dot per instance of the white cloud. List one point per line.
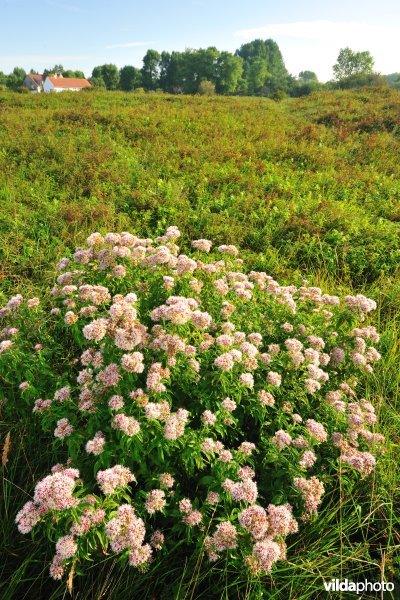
(315, 44)
(130, 45)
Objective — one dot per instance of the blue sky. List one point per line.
(83, 33)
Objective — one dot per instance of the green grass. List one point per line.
(307, 188)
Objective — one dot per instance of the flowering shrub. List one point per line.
(189, 399)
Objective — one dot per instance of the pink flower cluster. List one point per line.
(126, 530)
(54, 492)
(202, 354)
(312, 491)
(113, 478)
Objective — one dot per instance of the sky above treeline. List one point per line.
(80, 34)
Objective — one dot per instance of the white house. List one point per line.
(34, 83)
(58, 83)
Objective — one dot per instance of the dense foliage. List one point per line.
(224, 397)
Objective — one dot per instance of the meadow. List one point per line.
(307, 189)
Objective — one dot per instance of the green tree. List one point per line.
(129, 78)
(98, 82)
(172, 71)
(229, 72)
(16, 78)
(164, 70)
(256, 75)
(393, 80)
(361, 80)
(264, 70)
(150, 70)
(75, 74)
(307, 76)
(352, 63)
(56, 70)
(197, 65)
(109, 74)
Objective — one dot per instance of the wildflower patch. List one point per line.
(196, 401)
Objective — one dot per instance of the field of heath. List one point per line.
(199, 340)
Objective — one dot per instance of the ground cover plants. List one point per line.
(183, 418)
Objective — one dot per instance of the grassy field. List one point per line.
(306, 188)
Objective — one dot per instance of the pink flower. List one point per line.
(157, 540)
(247, 447)
(27, 517)
(254, 520)
(192, 518)
(63, 429)
(126, 530)
(225, 537)
(362, 461)
(110, 376)
(266, 398)
(280, 520)
(66, 547)
(228, 404)
(96, 445)
(70, 318)
(129, 425)
(213, 498)
(281, 439)
(247, 380)
(117, 476)
(56, 568)
(312, 491)
(224, 361)
(96, 330)
(140, 555)
(274, 378)
(267, 552)
(133, 363)
(173, 428)
(166, 480)
(203, 245)
(317, 430)
(185, 506)
(54, 492)
(208, 417)
(155, 501)
(116, 402)
(242, 491)
(32, 302)
(246, 472)
(308, 459)
(63, 394)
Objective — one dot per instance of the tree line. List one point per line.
(257, 68)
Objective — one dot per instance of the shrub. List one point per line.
(197, 403)
(21, 89)
(279, 95)
(206, 88)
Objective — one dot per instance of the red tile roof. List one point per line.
(69, 82)
(36, 78)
